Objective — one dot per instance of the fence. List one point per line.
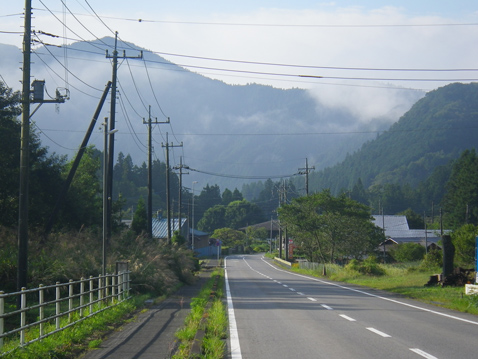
(45, 306)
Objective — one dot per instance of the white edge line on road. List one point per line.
(422, 353)
(233, 333)
(382, 334)
(376, 296)
(347, 317)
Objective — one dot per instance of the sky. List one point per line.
(281, 43)
(358, 55)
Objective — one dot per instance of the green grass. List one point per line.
(71, 341)
(213, 345)
(408, 280)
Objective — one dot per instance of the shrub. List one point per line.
(433, 259)
(408, 252)
(370, 266)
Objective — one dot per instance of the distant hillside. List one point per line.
(436, 129)
(243, 131)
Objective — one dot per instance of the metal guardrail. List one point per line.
(72, 300)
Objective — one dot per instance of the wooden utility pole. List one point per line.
(111, 140)
(38, 93)
(24, 154)
(168, 190)
(150, 171)
(181, 173)
(305, 171)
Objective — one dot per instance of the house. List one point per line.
(160, 227)
(396, 231)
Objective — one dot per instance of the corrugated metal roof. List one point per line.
(160, 226)
(391, 223)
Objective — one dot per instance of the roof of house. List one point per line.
(160, 226)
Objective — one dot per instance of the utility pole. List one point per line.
(150, 171)
(168, 190)
(180, 168)
(38, 89)
(24, 154)
(305, 171)
(114, 79)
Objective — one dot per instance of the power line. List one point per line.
(240, 176)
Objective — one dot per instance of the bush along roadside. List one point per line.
(205, 328)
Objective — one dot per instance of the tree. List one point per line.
(140, 217)
(328, 227)
(243, 213)
(415, 221)
(408, 252)
(464, 239)
(213, 219)
(229, 237)
(461, 195)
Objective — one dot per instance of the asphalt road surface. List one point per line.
(275, 314)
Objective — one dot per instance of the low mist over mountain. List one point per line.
(437, 129)
(230, 133)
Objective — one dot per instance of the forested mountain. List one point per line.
(435, 130)
(238, 130)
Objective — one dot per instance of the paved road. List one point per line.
(278, 314)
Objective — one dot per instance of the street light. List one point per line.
(192, 241)
(105, 192)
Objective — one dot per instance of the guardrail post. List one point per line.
(82, 293)
(100, 289)
(113, 288)
(2, 312)
(70, 300)
(91, 294)
(57, 305)
(23, 316)
(120, 285)
(125, 285)
(41, 310)
(107, 284)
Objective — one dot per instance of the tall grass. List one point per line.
(71, 341)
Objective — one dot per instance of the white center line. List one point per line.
(327, 307)
(292, 289)
(300, 293)
(347, 317)
(312, 299)
(285, 285)
(382, 334)
(422, 353)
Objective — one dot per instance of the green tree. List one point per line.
(140, 217)
(415, 221)
(464, 239)
(328, 227)
(408, 252)
(213, 219)
(242, 213)
(44, 172)
(229, 237)
(461, 195)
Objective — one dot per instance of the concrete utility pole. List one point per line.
(38, 97)
(150, 171)
(168, 190)
(181, 173)
(305, 171)
(109, 184)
